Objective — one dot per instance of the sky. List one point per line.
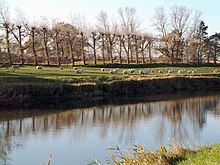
(62, 9)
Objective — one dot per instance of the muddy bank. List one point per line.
(18, 94)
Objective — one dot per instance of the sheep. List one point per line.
(189, 71)
(114, 71)
(39, 67)
(161, 71)
(182, 71)
(126, 71)
(61, 67)
(102, 69)
(171, 71)
(79, 71)
(144, 72)
(215, 71)
(75, 68)
(192, 71)
(131, 70)
(15, 66)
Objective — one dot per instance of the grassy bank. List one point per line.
(178, 155)
(93, 74)
(12, 93)
(27, 84)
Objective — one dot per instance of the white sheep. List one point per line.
(102, 69)
(39, 67)
(127, 71)
(79, 71)
(189, 71)
(171, 71)
(144, 72)
(181, 71)
(192, 71)
(75, 68)
(15, 66)
(160, 71)
(114, 71)
(131, 70)
(215, 71)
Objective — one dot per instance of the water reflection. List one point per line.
(152, 123)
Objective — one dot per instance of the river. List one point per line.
(28, 136)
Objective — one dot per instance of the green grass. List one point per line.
(91, 74)
(177, 155)
(207, 155)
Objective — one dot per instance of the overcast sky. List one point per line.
(90, 8)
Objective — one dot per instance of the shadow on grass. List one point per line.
(6, 78)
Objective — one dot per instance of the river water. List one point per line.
(76, 136)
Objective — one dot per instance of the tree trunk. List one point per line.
(94, 48)
(8, 45)
(45, 48)
(33, 46)
(142, 53)
(136, 50)
(71, 49)
(149, 51)
(20, 46)
(82, 51)
(103, 50)
(111, 54)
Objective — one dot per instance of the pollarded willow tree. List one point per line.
(129, 26)
(108, 30)
(5, 24)
(45, 39)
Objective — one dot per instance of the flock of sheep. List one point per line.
(128, 71)
(148, 71)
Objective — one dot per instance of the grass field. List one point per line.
(93, 74)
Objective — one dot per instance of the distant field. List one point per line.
(93, 74)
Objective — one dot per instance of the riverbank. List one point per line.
(178, 155)
(13, 94)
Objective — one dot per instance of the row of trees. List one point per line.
(182, 37)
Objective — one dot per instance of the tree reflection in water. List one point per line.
(172, 119)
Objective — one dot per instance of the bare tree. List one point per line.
(56, 35)
(93, 45)
(33, 31)
(174, 31)
(119, 45)
(33, 41)
(103, 24)
(102, 37)
(129, 25)
(129, 21)
(6, 23)
(109, 29)
(20, 33)
(180, 19)
(82, 26)
(44, 32)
